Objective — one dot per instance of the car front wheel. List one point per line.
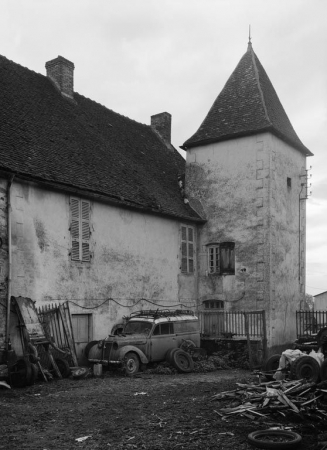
(131, 363)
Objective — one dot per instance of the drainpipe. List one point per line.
(7, 341)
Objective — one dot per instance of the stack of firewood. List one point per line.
(264, 398)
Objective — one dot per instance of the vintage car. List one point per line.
(149, 336)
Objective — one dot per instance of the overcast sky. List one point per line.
(143, 57)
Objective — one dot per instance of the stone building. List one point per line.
(103, 212)
(247, 167)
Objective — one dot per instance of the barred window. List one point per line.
(213, 304)
(187, 249)
(80, 229)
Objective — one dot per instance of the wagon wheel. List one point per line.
(21, 373)
(182, 361)
(34, 374)
(271, 365)
(275, 439)
(305, 367)
(63, 367)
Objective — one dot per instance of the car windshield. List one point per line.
(137, 328)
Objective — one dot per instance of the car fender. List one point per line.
(130, 348)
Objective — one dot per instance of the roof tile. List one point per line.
(84, 145)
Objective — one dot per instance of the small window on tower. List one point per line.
(221, 258)
(289, 182)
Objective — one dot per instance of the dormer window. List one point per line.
(221, 258)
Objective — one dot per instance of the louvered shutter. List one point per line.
(184, 249)
(187, 249)
(75, 228)
(190, 250)
(85, 225)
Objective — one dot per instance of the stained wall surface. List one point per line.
(242, 186)
(134, 256)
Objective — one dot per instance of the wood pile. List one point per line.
(282, 397)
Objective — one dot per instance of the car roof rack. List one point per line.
(155, 313)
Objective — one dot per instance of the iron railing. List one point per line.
(308, 323)
(240, 324)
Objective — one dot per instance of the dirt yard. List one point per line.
(149, 411)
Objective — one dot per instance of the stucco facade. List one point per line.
(250, 189)
(134, 264)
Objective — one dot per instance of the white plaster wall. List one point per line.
(288, 239)
(135, 256)
(223, 176)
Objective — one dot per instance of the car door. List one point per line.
(163, 338)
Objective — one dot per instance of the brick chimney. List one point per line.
(61, 72)
(161, 123)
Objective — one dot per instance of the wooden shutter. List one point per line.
(85, 226)
(184, 249)
(75, 228)
(227, 257)
(80, 229)
(187, 249)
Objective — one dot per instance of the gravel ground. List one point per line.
(148, 411)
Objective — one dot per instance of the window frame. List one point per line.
(221, 253)
(187, 249)
(218, 304)
(80, 232)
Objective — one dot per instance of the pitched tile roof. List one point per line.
(85, 145)
(248, 104)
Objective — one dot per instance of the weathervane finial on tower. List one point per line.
(249, 43)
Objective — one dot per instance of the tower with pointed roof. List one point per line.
(247, 167)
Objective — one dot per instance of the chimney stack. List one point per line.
(161, 123)
(61, 72)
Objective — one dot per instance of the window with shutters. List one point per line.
(221, 258)
(187, 249)
(80, 229)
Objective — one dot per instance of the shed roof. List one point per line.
(84, 145)
(248, 104)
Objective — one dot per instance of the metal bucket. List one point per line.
(97, 370)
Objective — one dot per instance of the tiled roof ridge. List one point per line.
(256, 72)
(75, 92)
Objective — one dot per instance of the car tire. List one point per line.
(187, 345)
(275, 439)
(131, 364)
(305, 367)
(322, 337)
(271, 365)
(182, 361)
(323, 370)
(80, 373)
(169, 355)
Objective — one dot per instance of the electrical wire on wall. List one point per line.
(136, 302)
